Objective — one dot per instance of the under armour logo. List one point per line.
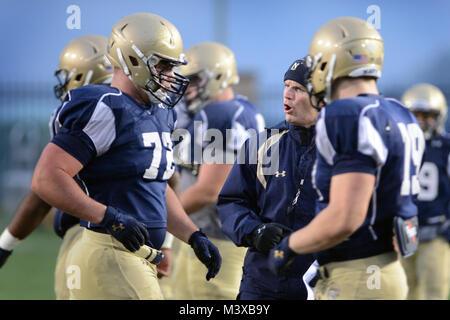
(121, 227)
(278, 254)
(295, 65)
(283, 174)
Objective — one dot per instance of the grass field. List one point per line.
(28, 273)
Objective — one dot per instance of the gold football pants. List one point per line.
(428, 271)
(99, 267)
(70, 238)
(188, 279)
(377, 277)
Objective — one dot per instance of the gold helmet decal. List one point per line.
(211, 68)
(82, 62)
(343, 47)
(139, 45)
(427, 99)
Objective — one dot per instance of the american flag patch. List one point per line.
(360, 58)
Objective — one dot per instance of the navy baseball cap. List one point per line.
(297, 72)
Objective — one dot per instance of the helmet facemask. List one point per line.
(63, 76)
(197, 95)
(322, 98)
(429, 120)
(161, 72)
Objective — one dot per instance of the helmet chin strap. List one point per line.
(316, 107)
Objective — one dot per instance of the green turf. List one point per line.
(28, 272)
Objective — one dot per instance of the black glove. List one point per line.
(4, 254)
(281, 257)
(267, 235)
(63, 222)
(206, 252)
(130, 232)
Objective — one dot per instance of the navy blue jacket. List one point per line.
(259, 192)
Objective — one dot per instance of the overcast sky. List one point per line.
(265, 35)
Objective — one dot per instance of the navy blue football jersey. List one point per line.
(125, 149)
(375, 135)
(434, 197)
(62, 221)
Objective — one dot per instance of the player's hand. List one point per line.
(281, 257)
(267, 235)
(4, 254)
(164, 267)
(206, 252)
(130, 232)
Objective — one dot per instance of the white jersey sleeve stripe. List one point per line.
(369, 139)
(101, 128)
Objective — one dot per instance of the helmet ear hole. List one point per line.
(78, 77)
(323, 66)
(218, 76)
(133, 61)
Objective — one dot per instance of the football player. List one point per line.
(214, 107)
(257, 210)
(369, 150)
(116, 140)
(427, 271)
(81, 62)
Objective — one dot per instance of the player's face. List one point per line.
(426, 119)
(193, 87)
(297, 106)
(165, 69)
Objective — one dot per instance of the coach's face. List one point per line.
(297, 106)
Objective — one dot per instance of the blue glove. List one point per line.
(4, 254)
(206, 252)
(281, 257)
(63, 222)
(130, 232)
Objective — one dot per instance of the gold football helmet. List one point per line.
(211, 68)
(147, 47)
(343, 47)
(82, 62)
(426, 99)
